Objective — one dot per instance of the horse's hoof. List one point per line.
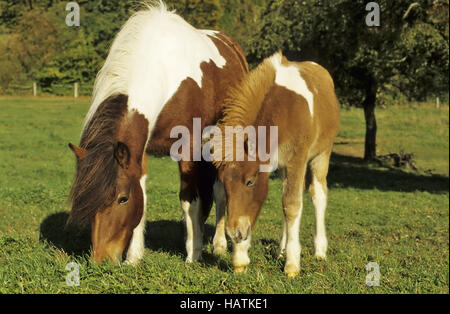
(240, 269)
(292, 275)
(190, 260)
(291, 271)
(220, 249)
(321, 255)
(132, 262)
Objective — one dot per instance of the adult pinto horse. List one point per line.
(299, 99)
(160, 73)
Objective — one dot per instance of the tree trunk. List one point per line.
(370, 146)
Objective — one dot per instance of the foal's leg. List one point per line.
(284, 234)
(292, 207)
(318, 190)
(191, 206)
(220, 241)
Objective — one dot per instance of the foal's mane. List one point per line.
(94, 186)
(243, 102)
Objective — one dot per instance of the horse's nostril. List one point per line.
(240, 232)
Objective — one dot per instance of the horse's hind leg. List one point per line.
(318, 169)
(196, 181)
(191, 206)
(283, 240)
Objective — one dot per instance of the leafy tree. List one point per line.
(361, 59)
(33, 46)
(242, 19)
(424, 72)
(199, 13)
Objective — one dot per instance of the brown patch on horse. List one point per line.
(236, 48)
(191, 101)
(94, 185)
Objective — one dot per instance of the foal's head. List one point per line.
(107, 192)
(246, 189)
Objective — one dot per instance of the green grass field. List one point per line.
(396, 218)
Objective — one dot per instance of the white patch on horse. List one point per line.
(191, 214)
(293, 247)
(240, 253)
(155, 51)
(320, 203)
(290, 77)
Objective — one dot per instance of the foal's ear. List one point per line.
(122, 154)
(79, 152)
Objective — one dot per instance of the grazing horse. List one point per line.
(160, 73)
(299, 99)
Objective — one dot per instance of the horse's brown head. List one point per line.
(246, 189)
(108, 192)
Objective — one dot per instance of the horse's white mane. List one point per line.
(154, 51)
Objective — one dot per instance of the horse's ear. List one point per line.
(122, 154)
(79, 152)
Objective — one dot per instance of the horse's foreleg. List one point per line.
(240, 257)
(194, 235)
(292, 207)
(220, 241)
(136, 247)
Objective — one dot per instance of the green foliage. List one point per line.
(199, 13)
(404, 58)
(241, 20)
(334, 34)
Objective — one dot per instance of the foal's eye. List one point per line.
(122, 200)
(250, 182)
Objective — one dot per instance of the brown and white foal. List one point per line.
(299, 99)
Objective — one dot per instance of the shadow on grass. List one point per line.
(347, 171)
(72, 241)
(354, 172)
(169, 236)
(163, 236)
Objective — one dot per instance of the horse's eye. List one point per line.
(122, 200)
(250, 182)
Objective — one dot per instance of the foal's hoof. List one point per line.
(220, 249)
(291, 271)
(240, 269)
(321, 255)
(132, 262)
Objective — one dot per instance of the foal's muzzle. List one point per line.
(241, 232)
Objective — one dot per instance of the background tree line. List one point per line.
(405, 59)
